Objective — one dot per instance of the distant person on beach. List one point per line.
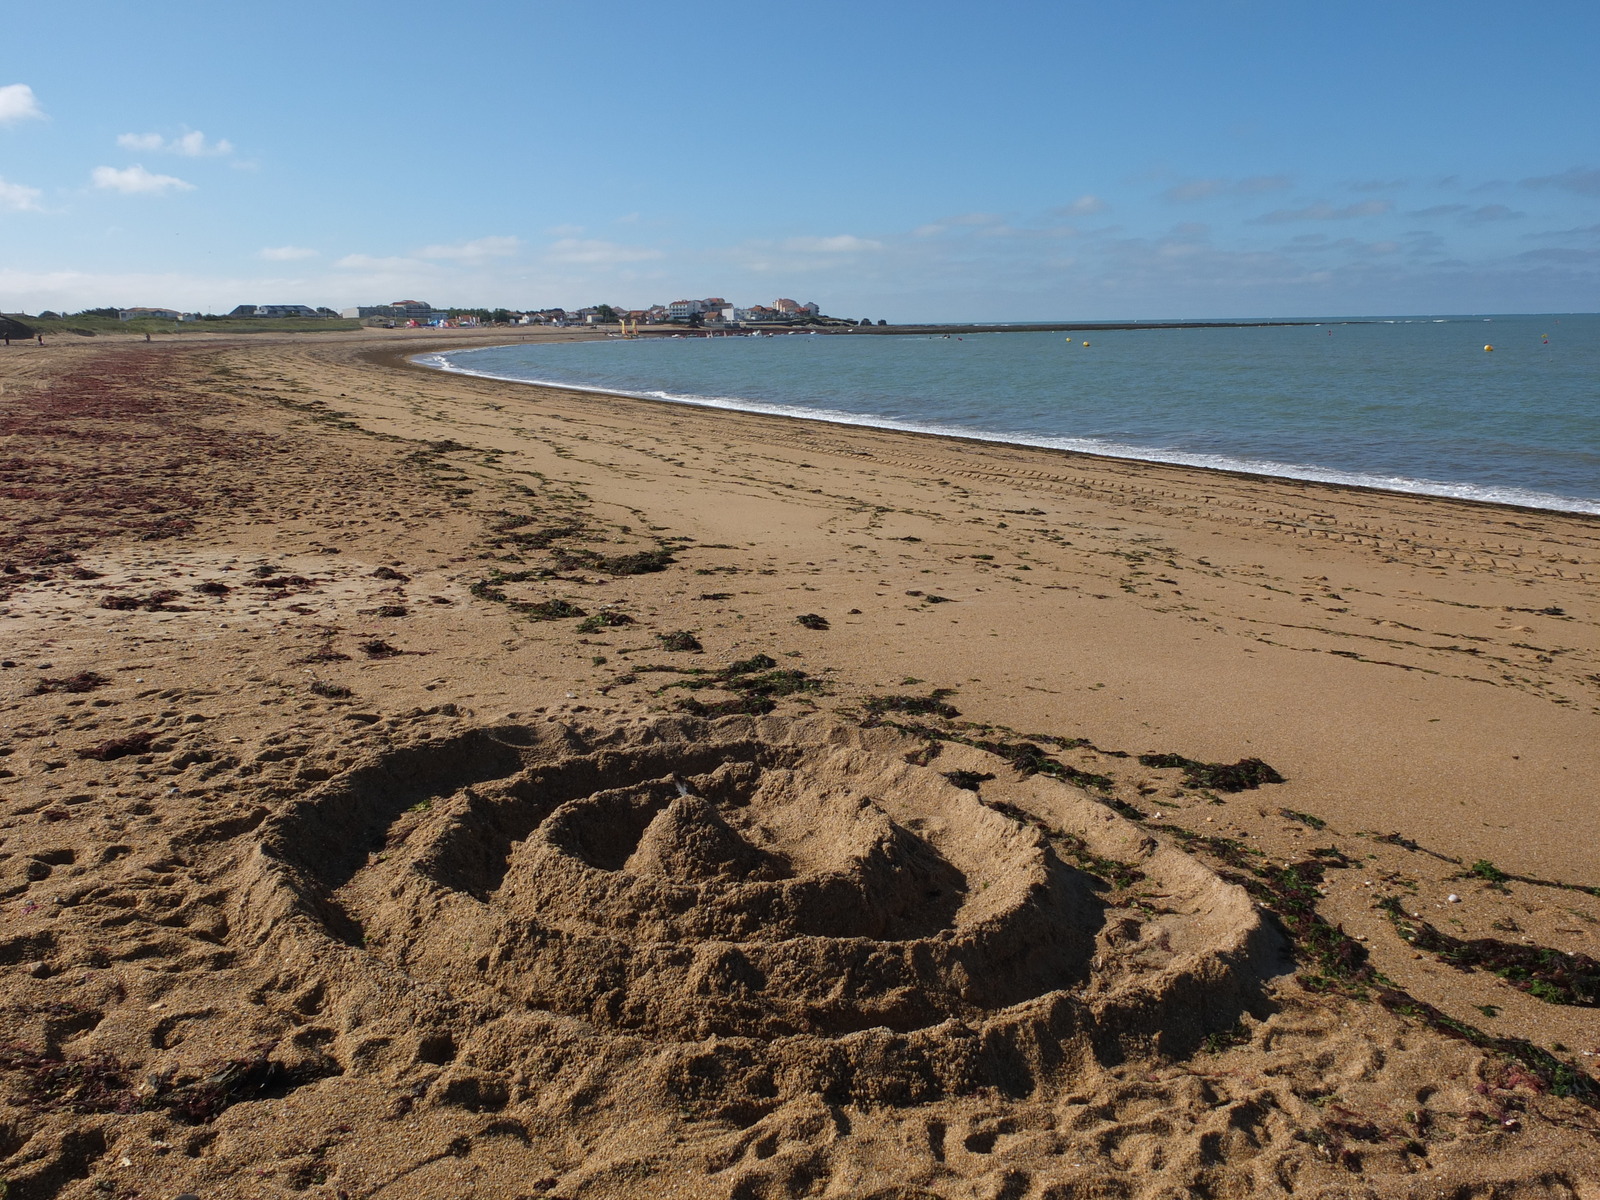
(41, 339)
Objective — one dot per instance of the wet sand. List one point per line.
(228, 887)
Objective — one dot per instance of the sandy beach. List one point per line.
(421, 785)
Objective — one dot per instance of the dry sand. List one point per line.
(422, 786)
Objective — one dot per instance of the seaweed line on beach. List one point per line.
(1339, 964)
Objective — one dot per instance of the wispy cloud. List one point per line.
(1322, 211)
(285, 253)
(1583, 180)
(190, 145)
(1466, 212)
(18, 103)
(1580, 231)
(1203, 189)
(1083, 206)
(843, 243)
(474, 251)
(390, 263)
(135, 181)
(1377, 185)
(594, 252)
(1564, 255)
(976, 220)
(19, 197)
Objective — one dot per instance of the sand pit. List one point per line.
(752, 910)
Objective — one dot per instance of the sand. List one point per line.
(417, 785)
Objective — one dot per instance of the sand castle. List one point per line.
(749, 910)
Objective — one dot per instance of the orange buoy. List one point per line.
(1489, 348)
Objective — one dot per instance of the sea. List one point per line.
(1408, 404)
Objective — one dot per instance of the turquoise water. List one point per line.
(1412, 405)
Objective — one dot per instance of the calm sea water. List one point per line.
(1412, 405)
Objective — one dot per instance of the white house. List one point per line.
(160, 314)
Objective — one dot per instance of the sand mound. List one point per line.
(750, 909)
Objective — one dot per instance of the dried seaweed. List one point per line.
(83, 681)
(1244, 775)
(1542, 972)
(604, 620)
(682, 641)
(134, 743)
(933, 704)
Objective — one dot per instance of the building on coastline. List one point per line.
(159, 314)
(781, 310)
(395, 310)
(757, 314)
(685, 310)
(280, 311)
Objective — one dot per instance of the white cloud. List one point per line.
(1322, 211)
(594, 252)
(475, 251)
(135, 180)
(369, 262)
(19, 197)
(190, 145)
(565, 231)
(1084, 206)
(935, 228)
(285, 253)
(18, 103)
(843, 243)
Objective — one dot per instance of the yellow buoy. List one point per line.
(1086, 343)
(1489, 348)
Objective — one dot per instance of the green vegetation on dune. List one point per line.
(90, 325)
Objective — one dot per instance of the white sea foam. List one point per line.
(1482, 493)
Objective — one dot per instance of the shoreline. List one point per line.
(1424, 487)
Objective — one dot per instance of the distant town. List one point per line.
(711, 313)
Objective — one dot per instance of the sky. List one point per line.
(927, 161)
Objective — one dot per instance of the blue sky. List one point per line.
(928, 161)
